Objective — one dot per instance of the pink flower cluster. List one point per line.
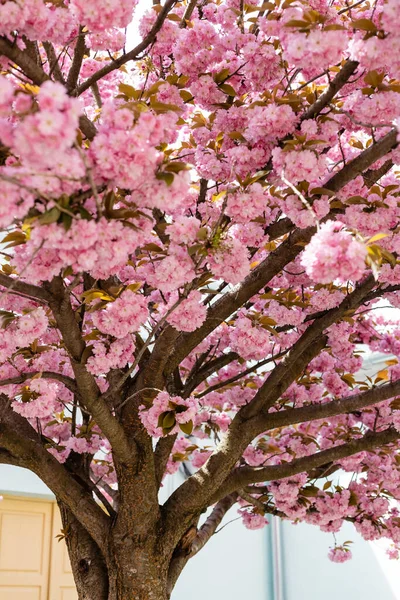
(99, 15)
(184, 230)
(253, 520)
(43, 405)
(190, 314)
(334, 253)
(245, 206)
(22, 331)
(173, 271)
(179, 410)
(269, 123)
(115, 356)
(84, 247)
(230, 261)
(125, 315)
(124, 154)
(249, 340)
(315, 51)
(299, 165)
(37, 20)
(44, 137)
(339, 554)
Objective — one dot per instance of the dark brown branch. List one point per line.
(336, 407)
(24, 289)
(208, 369)
(30, 67)
(54, 66)
(243, 476)
(231, 301)
(32, 49)
(242, 374)
(23, 443)
(276, 383)
(373, 175)
(133, 54)
(75, 68)
(213, 521)
(88, 390)
(284, 254)
(36, 74)
(334, 87)
(347, 174)
(188, 13)
(161, 454)
(363, 161)
(204, 534)
(250, 420)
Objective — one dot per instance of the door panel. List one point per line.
(20, 593)
(25, 534)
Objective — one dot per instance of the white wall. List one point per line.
(21, 481)
(233, 565)
(309, 575)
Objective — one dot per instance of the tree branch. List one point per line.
(340, 406)
(54, 67)
(30, 68)
(276, 383)
(208, 369)
(336, 84)
(24, 289)
(161, 454)
(89, 392)
(284, 254)
(243, 476)
(76, 65)
(22, 442)
(133, 54)
(203, 536)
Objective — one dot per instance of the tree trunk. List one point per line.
(88, 566)
(131, 571)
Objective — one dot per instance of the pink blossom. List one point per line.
(190, 314)
(334, 253)
(230, 262)
(125, 315)
(339, 554)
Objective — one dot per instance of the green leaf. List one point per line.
(221, 76)
(227, 89)
(364, 25)
(129, 91)
(51, 216)
(167, 421)
(167, 177)
(176, 166)
(186, 95)
(151, 247)
(321, 191)
(6, 317)
(186, 427)
(162, 107)
(15, 238)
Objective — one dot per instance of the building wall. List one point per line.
(309, 575)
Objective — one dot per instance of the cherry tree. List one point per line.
(197, 236)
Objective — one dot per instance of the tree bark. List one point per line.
(132, 570)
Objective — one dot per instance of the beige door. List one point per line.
(62, 586)
(25, 540)
(34, 565)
